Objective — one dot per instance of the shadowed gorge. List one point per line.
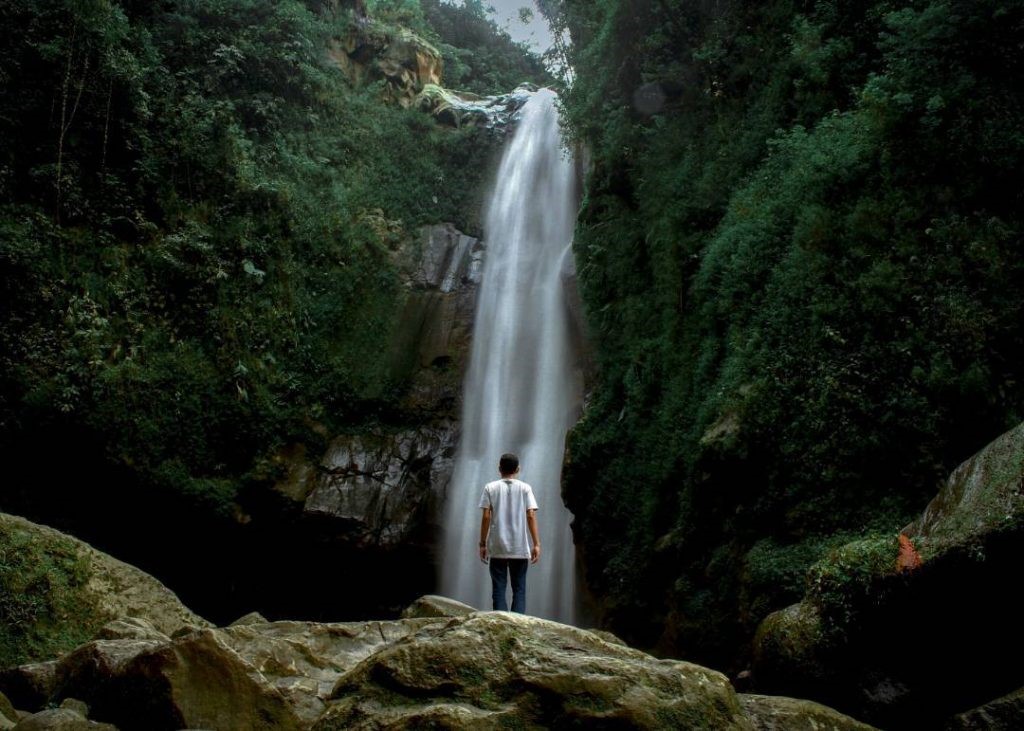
(742, 284)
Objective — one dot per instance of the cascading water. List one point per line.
(521, 392)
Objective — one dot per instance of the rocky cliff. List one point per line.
(382, 486)
(411, 72)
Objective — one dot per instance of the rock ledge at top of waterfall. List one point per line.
(462, 108)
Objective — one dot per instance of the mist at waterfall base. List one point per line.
(522, 392)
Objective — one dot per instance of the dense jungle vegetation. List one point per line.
(201, 222)
(197, 216)
(800, 253)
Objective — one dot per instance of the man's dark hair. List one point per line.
(509, 463)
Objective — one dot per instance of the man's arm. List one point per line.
(485, 525)
(531, 521)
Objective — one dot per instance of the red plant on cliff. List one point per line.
(909, 559)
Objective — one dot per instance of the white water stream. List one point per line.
(521, 394)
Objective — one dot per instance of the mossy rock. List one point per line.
(879, 641)
(57, 592)
(983, 496)
(789, 639)
(849, 577)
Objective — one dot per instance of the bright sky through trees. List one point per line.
(506, 14)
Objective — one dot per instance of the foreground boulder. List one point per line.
(61, 719)
(776, 713)
(31, 685)
(62, 591)
(497, 668)
(1002, 714)
(273, 675)
(503, 670)
(913, 644)
(476, 670)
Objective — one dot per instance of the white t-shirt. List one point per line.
(508, 499)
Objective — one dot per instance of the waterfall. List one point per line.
(521, 392)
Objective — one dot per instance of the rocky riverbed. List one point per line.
(152, 664)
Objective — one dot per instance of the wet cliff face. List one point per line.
(377, 491)
(369, 500)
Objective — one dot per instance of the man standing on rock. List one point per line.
(507, 526)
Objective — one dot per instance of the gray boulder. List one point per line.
(60, 719)
(130, 628)
(433, 605)
(502, 670)
(30, 685)
(250, 618)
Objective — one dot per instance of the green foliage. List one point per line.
(45, 608)
(798, 250)
(199, 225)
(776, 574)
(850, 577)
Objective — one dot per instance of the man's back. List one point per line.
(508, 499)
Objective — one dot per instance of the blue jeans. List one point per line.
(501, 569)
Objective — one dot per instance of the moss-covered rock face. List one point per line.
(984, 495)
(373, 50)
(880, 642)
(57, 592)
